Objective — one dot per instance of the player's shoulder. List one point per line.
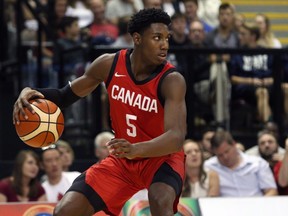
(106, 58)
(174, 77)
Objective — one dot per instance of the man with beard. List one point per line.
(267, 148)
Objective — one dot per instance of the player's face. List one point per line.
(193, 155)
(30, 167)
(227, 154)
(154, 43)
(267, 145)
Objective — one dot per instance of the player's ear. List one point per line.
(136, 38)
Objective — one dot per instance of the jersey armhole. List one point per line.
(160, 97)
(108, 80)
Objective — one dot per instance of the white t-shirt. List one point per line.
(55, 192)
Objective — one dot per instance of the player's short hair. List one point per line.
(141, 20)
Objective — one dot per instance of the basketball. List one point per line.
(42, 128)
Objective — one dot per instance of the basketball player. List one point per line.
(148, 112)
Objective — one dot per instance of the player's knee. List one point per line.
(159, 199)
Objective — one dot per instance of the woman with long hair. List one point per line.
(267, 38)
(23, 185)
(198, 182)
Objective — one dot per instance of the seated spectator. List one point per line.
(239, 20)
(191, 8)
(173, 6)
(56, 182)
(205, 142)
(152, 4)
(124, 40)
(71, 39)
(224, 36)
(23, 185)
(208, 11)
(121, 8)
(67, 154)
(100, 31)
(198, 182)
(251, 75)
(199, 65)
(267, 38)
(281, 172)
(241, 175)
(80, 9)
(178, 38)
(101, 150)
(267, 148)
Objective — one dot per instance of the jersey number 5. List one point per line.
(131, 130)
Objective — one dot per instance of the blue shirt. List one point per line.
(250, 178)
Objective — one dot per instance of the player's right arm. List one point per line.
(97, 72)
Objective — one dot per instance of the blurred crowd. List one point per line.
(216, 166)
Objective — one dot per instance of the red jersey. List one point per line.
(137, 114)
(136, 107)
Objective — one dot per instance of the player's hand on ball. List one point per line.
(121, 148)
(23, 101)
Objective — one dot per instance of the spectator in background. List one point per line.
(80, 9)
(100, 141)
(56, 10)
(239, 20)
(240, 175)
(23, 185)
(122, 8)
(56, 182)
(72, 60)
(251, 74)
(267, 148)
(124, 39)
(198, 182)
(208, 11)
(200, 65)
(67, 154)
(173, 6)
(152, 4)
(267, 38)
(178, 38)
(224, 36)
(191, 8)
(206, 142)
(100, 31)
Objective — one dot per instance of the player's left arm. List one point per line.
(173, 90)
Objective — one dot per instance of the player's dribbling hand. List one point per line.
(23, 101)
(121, 148)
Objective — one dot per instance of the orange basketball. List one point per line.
(42, 128)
